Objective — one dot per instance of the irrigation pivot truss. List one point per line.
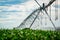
(35, 18)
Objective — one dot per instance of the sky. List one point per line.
(13, 12)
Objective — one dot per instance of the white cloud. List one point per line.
(23, 8)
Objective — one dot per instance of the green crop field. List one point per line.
(28, 34)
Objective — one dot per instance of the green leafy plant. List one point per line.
(28, 34)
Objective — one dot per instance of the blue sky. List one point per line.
(13, 12)
(11, 2)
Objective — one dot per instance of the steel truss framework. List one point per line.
(35, 17)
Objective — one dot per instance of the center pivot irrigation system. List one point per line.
(35, 17)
